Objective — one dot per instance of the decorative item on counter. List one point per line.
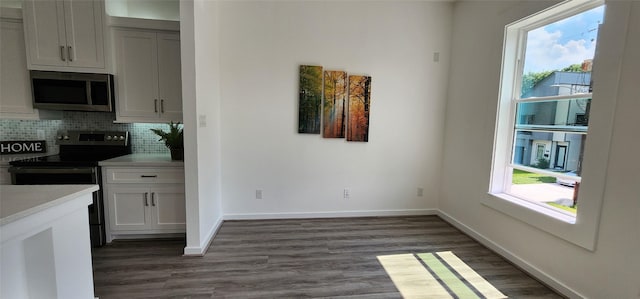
(173, 139)
(22, 147)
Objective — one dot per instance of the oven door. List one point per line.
(34, 175)
(53, 175)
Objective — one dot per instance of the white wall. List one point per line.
(611, 271)
(201, 109)
(262, 45)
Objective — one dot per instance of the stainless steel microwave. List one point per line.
(72, 91)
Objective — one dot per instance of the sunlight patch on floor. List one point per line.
(439, 275)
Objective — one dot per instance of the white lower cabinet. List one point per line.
(143, 202)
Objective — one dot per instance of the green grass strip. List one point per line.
(562, 207)
(525, 177)
(447, 277)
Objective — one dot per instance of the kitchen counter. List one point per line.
(44, 240)
(142, 160)
(19, 201)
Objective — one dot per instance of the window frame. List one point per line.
(581, 229)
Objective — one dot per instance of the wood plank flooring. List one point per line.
(302, 258)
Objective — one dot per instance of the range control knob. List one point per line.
(59, 137)
(108, 137)
(65, 137)
(121, 137)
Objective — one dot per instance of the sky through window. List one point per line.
(563, 43)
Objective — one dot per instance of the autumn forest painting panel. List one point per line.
(310, 97)
(359, 104)
(335, 102)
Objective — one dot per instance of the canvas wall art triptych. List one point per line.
(335, 103)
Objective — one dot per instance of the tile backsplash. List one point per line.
(142, 139)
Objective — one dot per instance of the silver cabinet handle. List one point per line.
(162, 106)
(146, 199)
(70, 53)
(149, 176)
(62, 53)
(153, 199)
(155, 105)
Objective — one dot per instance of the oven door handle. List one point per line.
(51, 170)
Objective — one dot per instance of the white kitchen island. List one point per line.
(44, 241)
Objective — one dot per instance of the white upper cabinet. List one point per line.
(15, 90)
(148, 73)
(170, 76)
(65, 35)
(15, 87)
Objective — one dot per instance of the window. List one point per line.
(543, 119)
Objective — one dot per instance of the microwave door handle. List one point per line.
(88, 90)
(62, 53)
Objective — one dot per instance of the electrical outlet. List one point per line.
(259, 194)
(420, 192)
(347, 193)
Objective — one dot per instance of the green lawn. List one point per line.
(525, 177)
(559, 206)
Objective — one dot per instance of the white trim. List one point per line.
(335, 214)
(540, 275)
(573, 96)
(205, 243)
(138, 23)
(516, 203)
(545, 17)
(584, 231)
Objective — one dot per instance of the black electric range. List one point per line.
(77, 163)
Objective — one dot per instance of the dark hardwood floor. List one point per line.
(306, 258)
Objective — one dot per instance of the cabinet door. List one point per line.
(84, 32)
(168, 206)
(15, 90)
(169, 76)
(128, 208)
(45, 32)
(137, 75)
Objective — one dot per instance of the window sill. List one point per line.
(543, 211)
(553, 222)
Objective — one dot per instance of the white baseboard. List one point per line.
(521, 263)
(340, 214)
(204, 244)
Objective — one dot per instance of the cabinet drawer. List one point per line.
(144, 175)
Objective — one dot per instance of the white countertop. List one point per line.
(137, 160)
(19, 201)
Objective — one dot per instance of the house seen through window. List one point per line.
(550, 103)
